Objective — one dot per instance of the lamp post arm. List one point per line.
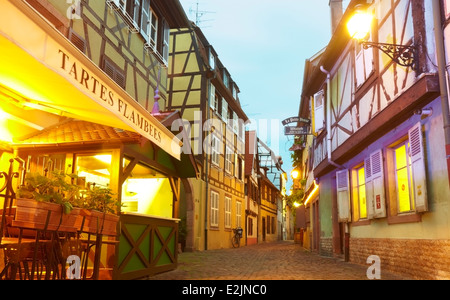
(401, 54)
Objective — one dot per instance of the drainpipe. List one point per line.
(330, 161)
(440, 53)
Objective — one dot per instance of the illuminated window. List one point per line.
(403, 178)
(94, 169)
(147, 192)
(359, 191)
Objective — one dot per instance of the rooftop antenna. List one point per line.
(199, 14)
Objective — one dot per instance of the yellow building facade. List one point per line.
(203, 91)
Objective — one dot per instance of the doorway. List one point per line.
(264, 229)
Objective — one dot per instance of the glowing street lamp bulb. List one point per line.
(360, 24)
(295, 174)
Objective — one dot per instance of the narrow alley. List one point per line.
(281, 260)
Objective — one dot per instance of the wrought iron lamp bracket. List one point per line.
(403, 55)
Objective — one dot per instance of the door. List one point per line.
(316, 229)
(264, 229)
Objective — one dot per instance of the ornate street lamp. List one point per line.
(359, 27)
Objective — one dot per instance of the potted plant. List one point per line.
(100, 211)
(41, 197)
(182, 234)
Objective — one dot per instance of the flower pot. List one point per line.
(33, 214)
(97, 222)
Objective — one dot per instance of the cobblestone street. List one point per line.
(272, 261)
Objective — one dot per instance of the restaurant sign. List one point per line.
(107, 97)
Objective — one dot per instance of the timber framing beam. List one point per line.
(421, 93)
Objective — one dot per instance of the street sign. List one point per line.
(296, 120)
(304, 130)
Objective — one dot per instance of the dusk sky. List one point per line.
(264, 45)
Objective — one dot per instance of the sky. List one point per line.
(264, 45)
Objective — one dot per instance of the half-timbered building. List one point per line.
(202, 89)
(380, 153)
(83, 90)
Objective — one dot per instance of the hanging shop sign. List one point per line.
(304, 130)
(296, 120)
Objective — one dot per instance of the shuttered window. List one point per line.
(227, 212)
(212, 96)
(238, 214)
(215, 150)
(319, 111)
(410, 174)
(114, 72)
(375, 192)
(145, 19)
(141, 18)
(363, 64)
(343, 196)
(419, 181)
(214, 209)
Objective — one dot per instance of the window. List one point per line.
(224, 110)
(407, 174)
(215, 152)
(343, 199)
(153, 29)
(235, 122)
(250, 226)
(142, 18)
(319, 111)
(403, 178)
(240, 169)
(226, 79)
(212, 59)
(238, 214)
(214, 209)
(229, 158)
(147, 191)
(363, 64)
(227, 212)
(359, 192)
(234, 91)
(114, 72)
(166, 41)
(212, 96)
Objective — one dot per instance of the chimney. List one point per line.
(336, 14)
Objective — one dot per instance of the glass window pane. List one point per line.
(147, 192)
(400, 157)
(362, 194)
(403, 190)
(94, 169)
